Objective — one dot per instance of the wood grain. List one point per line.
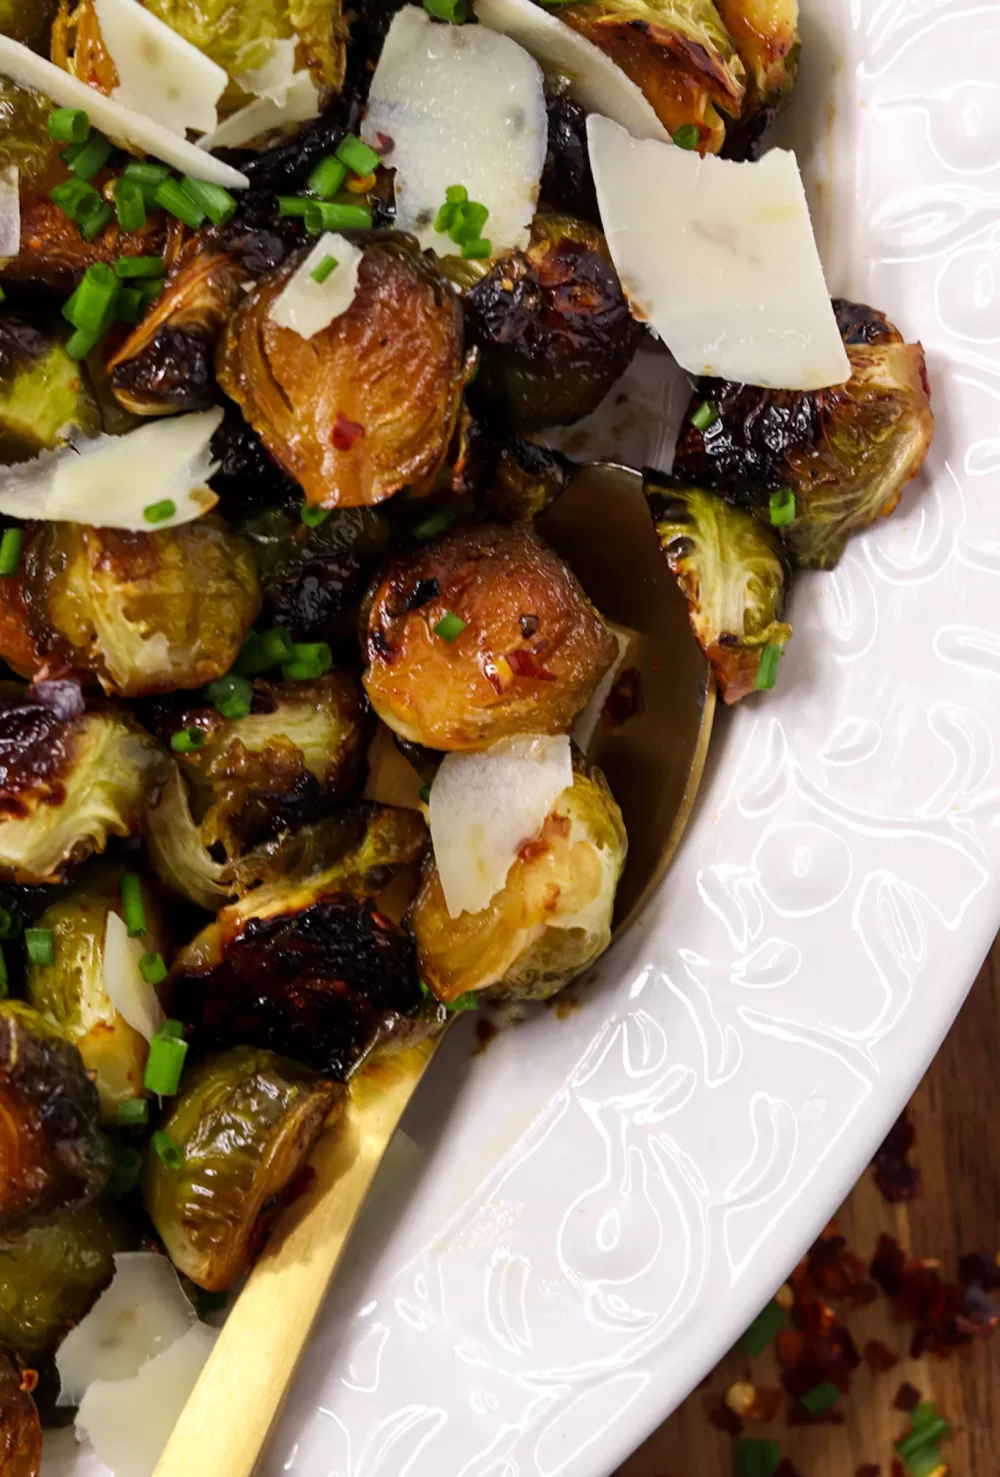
(955, 1112)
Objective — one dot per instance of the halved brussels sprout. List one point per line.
(44, 394)
(846, 453)
(358, 851)
(69, 779)
(551, 919)
(367, 405)
(71, 993)
(53, 1156)
(177, 852)
(552, 325)
(20, 1428)
(478, 635)
(51, 1273)
(766, 35)
(731, 569)
(245, 1122)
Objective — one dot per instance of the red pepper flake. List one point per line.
(346, 433)
(786, 1469)
(975, 1269)
(887, 1265)
(947, 1314)
(895, 1176)
(898, 1470)
(523, 664)
(834, 1271)
(624, 701)
(879, 1357)
(868, 1469)
(29, 1380)
(720, 1415)
(907, 1397)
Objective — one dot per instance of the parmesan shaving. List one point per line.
(133, 997)
(273, 78)
(160, 74)
(307, 306)
(301, 104)
(10, 211)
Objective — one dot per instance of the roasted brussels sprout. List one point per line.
(766, 35)
(846, 452)
(71, 992)
(481, 634)
(177, 852)
(53, 1156)
(367, 405)
(69, 779)
(358, 851)
(245, 1123)
(551, 919)
(20, 1428)
(51, 1273)
(43, 393)
(144, 612)
(552, 325)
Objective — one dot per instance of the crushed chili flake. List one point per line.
(879, 1357)
(898, 1470)
(868, 1469)
(976, 1269)
(786, 1469)
(895, 1176)
(346, 433)
(887, 1265)
(907, 1397)
(946, 1314)
(29, 1380)
(624, 701)
(523, 664)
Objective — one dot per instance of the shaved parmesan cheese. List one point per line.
(594, 80)
(305, 305)
(274, 76)
(123, 124)
(300, 104)
(485, 805)
(109, 481)
(160, 74)
(129, 1422)
(131, 995)
(720, 258)
(10, 211)
(458, 105)
(138, 1317)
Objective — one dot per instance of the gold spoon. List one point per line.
(653, 763)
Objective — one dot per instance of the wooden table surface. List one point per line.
(956, 1115)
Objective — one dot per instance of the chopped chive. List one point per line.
(91, 303)
(292, 205)
(313, 517)
(133, 907)
(277, 646)
(435, 524)
(3, 295)
(172, 1028)
(161, 511)
(309, 660)
(767, 667)
(926, 1461)
(152, 968)
(706, 415)
(94, 222)
(928, 1433)
(40, 944)
(216, 202)
(425, 794)
(688, 136)
(69, 126)
(10, 921)
(467, 1001)
(262, 651)
(130, 305)
(337, 215)
(781, 507)
(476, 250)
(327, 178)
(146, 173)
(822, 1397)
(174, 199)
(79, 344)
(456, 194)
(3, 975)
(166, 1150)
(470, 218)
(449, 627)
(138, 266)
(130, 205)
(125, 1175)
(763, 1330)
(453, 11)
(133, 1112)
(150, 287)
(425, 989)
(356, 154)
(231, 695)
(165, 1064)
(188, 740)
(10, 550)
(326, 267)
(445, 218)
(757, 1458)
(76, 198)
(91, 157)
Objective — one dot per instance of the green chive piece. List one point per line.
(822, 1397)
(435, 524)
(232, 695)
(3, 975)
(337, 215)
(174, 199)
(359, 158)
(449, 627)
(262, 651)
(91, 157)
(277, 646)
(92, 301)
(216, 202)
(476, 250)
(781, 507)
(10, 550)
(327, 178)
(445, 219)
(130, 305)
(146, 173)
(92, 224)
(188, 740)
(3, 295)
(470, 218)
(79, 344)
(133, 907)
(130, 205)
(150, 287)
(138, 266)
(926, 1461)
(425, 794)
(10, 920)
(928, 1433)
(767, 668)
(69, 126)
(313, 517)
(133, 1112)
(161, 511)
(73, 195)
(172, 1028)
(706, 415)
(40, 944)
(757, 1458)
(166, 1150)
(152, 968)
(462, 1002)
(326, 267)
(292, 205)
(125, 1175)
(763, 1330)
(164, 1064)
(310, 660)
(688, 136)
(456, 194)
(453, 11)
(425, 989)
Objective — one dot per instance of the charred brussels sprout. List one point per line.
(69, 779)
(551, 919)
(51, 1273)
(43, 393)
(245, 1123)
(482, 634)
(731, 570)
(846, 453)
(552, 326)
(369, 404)
(53, 1156)
(20, 1428)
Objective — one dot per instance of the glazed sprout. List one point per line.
(243, 1125)
(481, 634)
(846, 453)
(369, 404)
(552, 918)
(53, 1156)
(70, 779)
(44, 395)
(20, 1428)
(731, 569)
(51, 1273)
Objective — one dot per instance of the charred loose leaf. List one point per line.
(390, 368)
(44, 394)
(481, 634)
(51, 1273)
(766, 35)
(20, 1428)
(732, 572)
(245, 1123)
(846, 452)
(523, 481)
(53, 1156)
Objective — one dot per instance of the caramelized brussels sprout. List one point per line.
(551, 919)
(177, 852)
(51, 1273)
(245, 1123)
(766, 35)
(144, 612)
(54, 254)
(731, 570)
(846, 453)
(53, 1156)
(367, 405)
(552, 325)
(481, 634)
(358, 851)
(43, 393)
(71, 994)
(20, 1428)
(69, 779)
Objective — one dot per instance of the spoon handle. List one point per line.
(225, 1422)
